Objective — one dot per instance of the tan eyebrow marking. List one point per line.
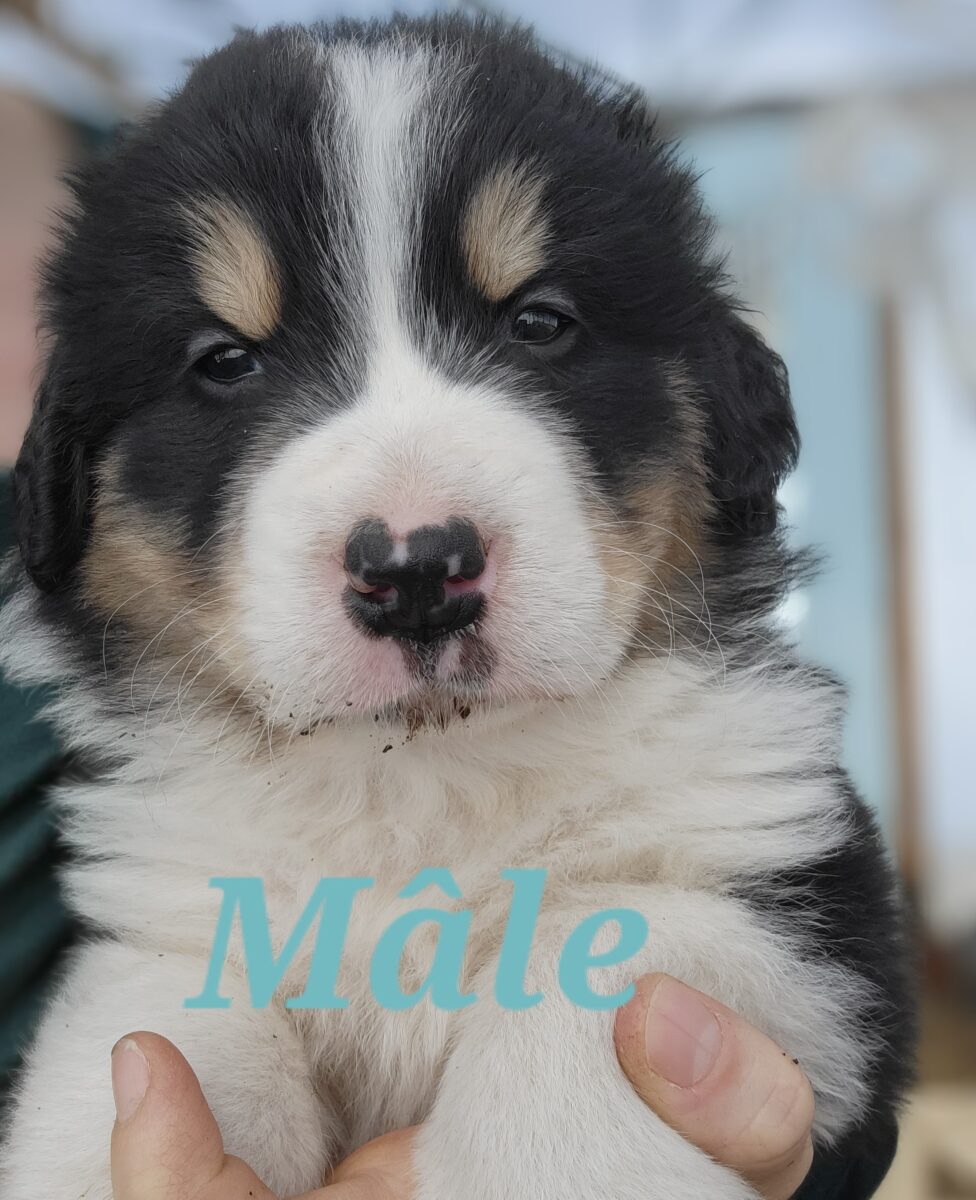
(236, 275)
(505, 230)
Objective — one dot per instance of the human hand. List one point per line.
(166, 1144)
(721, 1083)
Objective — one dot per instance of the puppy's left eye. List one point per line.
(539, 325)
(228, 364)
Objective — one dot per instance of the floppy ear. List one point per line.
(51, 488)
(753, 440)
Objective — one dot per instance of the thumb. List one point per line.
(166, 1144)
(719, 1082)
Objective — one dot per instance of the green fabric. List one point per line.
(33, 922)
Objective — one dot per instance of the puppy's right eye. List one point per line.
(537, 326)
(228, 364)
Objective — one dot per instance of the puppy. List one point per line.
(401, 492)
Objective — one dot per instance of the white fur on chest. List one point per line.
(672, 774)
(671, 779)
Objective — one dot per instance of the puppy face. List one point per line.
(389, 372)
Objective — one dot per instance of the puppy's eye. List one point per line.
(228, 364)
(538, 325)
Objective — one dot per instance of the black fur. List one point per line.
(631, 250)
(51, 486)
(848, 909)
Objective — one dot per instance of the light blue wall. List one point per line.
(787, 249)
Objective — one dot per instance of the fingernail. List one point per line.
(130, 1078)
(682, 1038)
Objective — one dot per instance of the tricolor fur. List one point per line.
(364, 212)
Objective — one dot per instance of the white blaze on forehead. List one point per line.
(388, 132)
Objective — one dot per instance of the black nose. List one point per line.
(420, 587)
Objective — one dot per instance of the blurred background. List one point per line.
(836, 141)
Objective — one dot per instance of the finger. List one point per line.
(722, 1084)
(380, 1170)
(166, 1144)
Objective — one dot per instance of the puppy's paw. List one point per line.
(470, 1159)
